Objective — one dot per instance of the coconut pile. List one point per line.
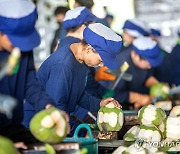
(157, 132)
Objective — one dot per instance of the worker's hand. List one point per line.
(67, 120)
(139, 99)
(110, 100)
(102, 75)
(20, 145)
(145, 99)
(48, 106)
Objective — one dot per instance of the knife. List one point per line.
(8, 65)
(123, 69)
(126, 76)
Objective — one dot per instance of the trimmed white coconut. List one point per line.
(120, 150)
(47, 122)
(133, 149)
(132, 133)
(149, 133)
(100, 117)
(150, 115)
(110, 118)
(170, 128)
(113, 117)
(175, 111)
(61, 126)
(175, 148)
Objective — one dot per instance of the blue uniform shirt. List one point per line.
(138, 82)
(175, 65)
(23, 85)
(92, 87)
(68, 40)
(162, 72)
(64, 79)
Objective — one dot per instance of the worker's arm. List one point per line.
(121, 92)
(34, 92)
(58, 85)
(93, 86)
(89, 102)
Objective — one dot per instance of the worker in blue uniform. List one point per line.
(64, 73)
(74, 25)
(17, 29)
(132, 29)
(144, 55)
(174, 59)
(161, 72)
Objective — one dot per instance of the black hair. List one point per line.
(73, 29)
(61, 10)
(84, 43)
(86, 3)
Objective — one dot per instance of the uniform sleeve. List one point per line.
(58, 85)
(34, 92)
(150, 73)
(121, 93)
(89, 102)
(94, 87)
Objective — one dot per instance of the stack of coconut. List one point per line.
(156, 133)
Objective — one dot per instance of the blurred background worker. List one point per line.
(133, 29)
(89, 4)
(60, 32)
(145, 54)
(161, 72)
(174, 70)
(17, 29)
(109, 18)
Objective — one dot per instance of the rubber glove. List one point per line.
(102, 75)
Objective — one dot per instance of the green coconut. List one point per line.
(159, 89)
(110, 118)
(50, 149)
(49, 126)
(132, 133)
(150, 115)
(7, 146)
